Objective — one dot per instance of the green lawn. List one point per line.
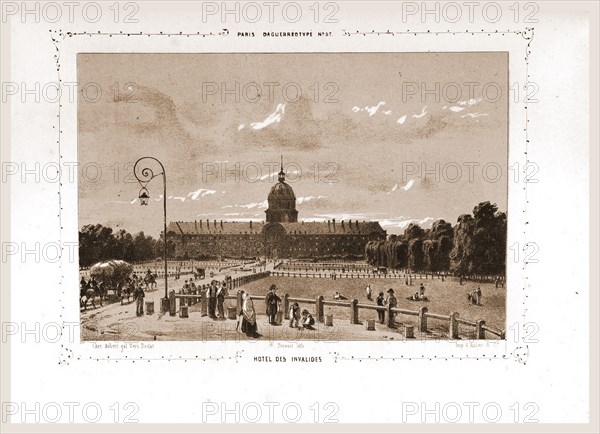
(444, 297)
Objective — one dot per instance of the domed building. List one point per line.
(281, 236)
(282, 202)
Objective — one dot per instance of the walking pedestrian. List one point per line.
(380, 300)
(248, 316)
(220, 301)
(139, 300)
(369, 292)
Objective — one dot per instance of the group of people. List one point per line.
(91, 290)
(298, 319)
(390, 301)
(301, 319)
(215, 295)
(419, 295)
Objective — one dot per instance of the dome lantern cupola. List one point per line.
(282, 201)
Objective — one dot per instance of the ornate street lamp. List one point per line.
(144, 196)
(144, 176)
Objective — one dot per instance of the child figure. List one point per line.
(295, 315)
(307, 320)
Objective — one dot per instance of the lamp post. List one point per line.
(144, 176)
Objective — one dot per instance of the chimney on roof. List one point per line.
(250, 224)
(333, 220)
(200, 224)
(215, 223)
(208, 224)
(221, 224)
(328, 226)
(356, 223)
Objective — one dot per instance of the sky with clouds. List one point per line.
(392, 137)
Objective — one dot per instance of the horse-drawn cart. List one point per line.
(111, 273)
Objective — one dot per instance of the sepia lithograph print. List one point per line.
(293, 196)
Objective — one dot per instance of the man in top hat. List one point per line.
(391, 302)
(272, 301)
(380, 302)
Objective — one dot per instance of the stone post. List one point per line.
(354, 311)
(149, 307)
(320, 309)
(286, 306)
(423, 319)
(453, 327)
(479, 331)
(172, 303)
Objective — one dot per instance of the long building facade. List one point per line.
(280, 236)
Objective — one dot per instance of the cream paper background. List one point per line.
(555, 375)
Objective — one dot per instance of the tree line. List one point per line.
(99, 243)
(475, 245)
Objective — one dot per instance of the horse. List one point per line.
(91, 294)
(126, 292)
(150, 281)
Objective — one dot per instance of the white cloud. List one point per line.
(200, 193)
(372, 110)
(405, 187)
(408, 185)
(304, 199)
(423, 113)
(403, 222)
(274, 117)
(473, 115)
(259, 205)
(470, 102)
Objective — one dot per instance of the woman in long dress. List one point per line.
(248, 316)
